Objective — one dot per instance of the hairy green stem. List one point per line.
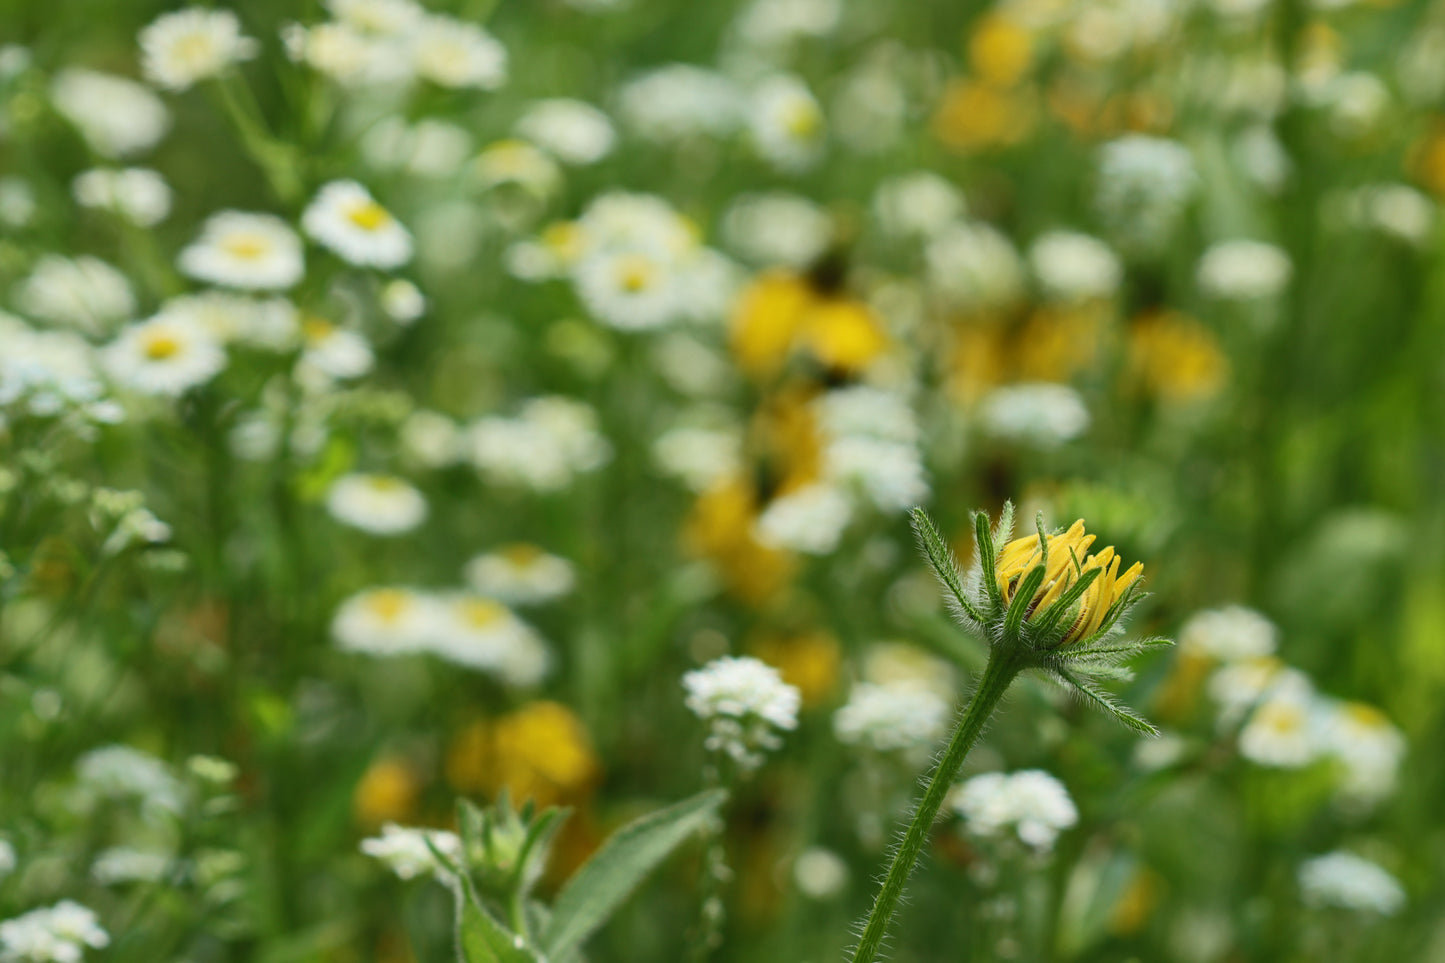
(997, 675)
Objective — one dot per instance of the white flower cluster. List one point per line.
(49, 371)
(1071, 267)
(1243, 270)
(1342, 880)
(138, 194)
(117, 117)
(464, 629)
(548, 443)
(891, 718)
(1145, 184)
(392, 43)
(406, 852)
(1040, 415)
(53, 934)
(745, 703)
(1284, 722)
(777, 228)
(871, 459)
(1031, 803)
(123, 773)
(974, 267)
(83, 292)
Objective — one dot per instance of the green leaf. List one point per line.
(614, 871)
(942, 560)
(988, 560)
(1107, 702)
(1023, 598)
(480, 938)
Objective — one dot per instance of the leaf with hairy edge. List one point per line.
(942, 560)
(614, 871)
(480, 938)
(1103, 700)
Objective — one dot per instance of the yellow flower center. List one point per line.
(197, 49)
(245, 246)
(635, 274)
(161, 347)
(388, 605)
(1281, 718)
(316, 329)
(482, 613)
(522, 555)
(385, 483)
(1366, 716)
(803, 121)
(369, 216)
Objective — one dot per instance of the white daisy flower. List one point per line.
(409, 852)
(269, 323)
(574, 131)
(117, 117)
(430, 439)
(480, 633)
(521, 574)
(387, 621)
(1368, 746)
(180, 48)
(699, 456)
(679, 101)
(787, 124)
(452, 53)
(242, 250)
(630, 290)
(331, 352)
(49, 370)
(376, 504)
(552, 440)
(1342, 880)
(83, 292)
(1281, 731)
(382, 18)
(1031, 803)
(1229, 634)
(347, 55)
(346, 219)
(135, 193)
(164, 355)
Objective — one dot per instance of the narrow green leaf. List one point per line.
(1023, 597)
(1105, 701)
(614, 871)
(941, 559)
(987, 561)
(532, 860)
(480, 938)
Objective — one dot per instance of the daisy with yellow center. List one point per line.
(345, 218)
(238, 249)
(164, 355)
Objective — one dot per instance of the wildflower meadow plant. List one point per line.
(1043, 603)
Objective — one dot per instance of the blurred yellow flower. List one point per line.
(781, 314)
(807, 660)
(1057, 343)
(720, 529)
(974, 116)
(1174, 358)
(540, 752)
(1000, 51)
(387, 792)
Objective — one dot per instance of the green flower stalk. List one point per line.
(1041, 602)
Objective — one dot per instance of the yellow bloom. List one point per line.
(808, 661)
(780, 314)
(720, 529)
(1068, 561)
(974, 116)
(539, 752)
(387, 792)
(1176, 359)
(1000, 51)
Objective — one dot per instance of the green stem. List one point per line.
(997, 675)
